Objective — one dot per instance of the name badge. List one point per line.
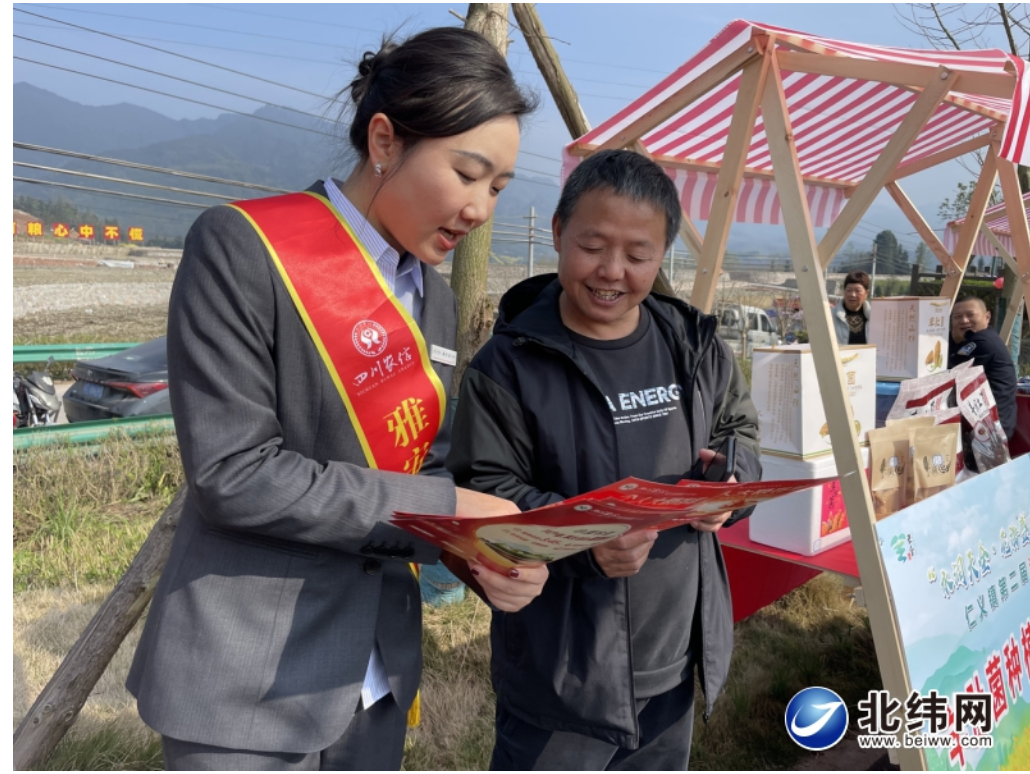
(442, 355)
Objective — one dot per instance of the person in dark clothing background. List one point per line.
(591, 377)
(973, 338)
(851, 315)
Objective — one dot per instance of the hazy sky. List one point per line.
(611, 52)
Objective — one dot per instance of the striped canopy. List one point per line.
(840, 124)
(996, 219)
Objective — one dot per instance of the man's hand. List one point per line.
(712, 523)
(624, 556)
(513, 591)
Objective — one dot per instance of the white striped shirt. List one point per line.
(404, 277)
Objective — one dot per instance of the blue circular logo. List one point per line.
(816, 718)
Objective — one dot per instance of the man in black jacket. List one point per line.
(973, 338)
(590, 378)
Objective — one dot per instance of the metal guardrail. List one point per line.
(90, 432)
(38, 353)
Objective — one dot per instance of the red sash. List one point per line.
(371, 346)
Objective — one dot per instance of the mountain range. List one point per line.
(269, 151)
(271, 147)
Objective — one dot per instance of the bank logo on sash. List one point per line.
(369, 338)
(816, 718)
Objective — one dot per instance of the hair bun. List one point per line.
(369, 66)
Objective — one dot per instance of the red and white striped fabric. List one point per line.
(996, 219)
(840, 124)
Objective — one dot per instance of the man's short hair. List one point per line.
(857, 278)
(624, 173)
(971, 297)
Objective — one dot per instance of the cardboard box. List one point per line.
(807, 522)
(785, 390)
(910, 334)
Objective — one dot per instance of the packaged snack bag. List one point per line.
(986, 439)
(888, 466)
(933, 460)
(923, 396)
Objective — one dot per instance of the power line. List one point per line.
(191, 26)
(123, 180)
(146, 167)
(173, 53)
(289, 18)
(175, 96)
(110, 193)
(171, 77)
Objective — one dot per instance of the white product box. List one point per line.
(805, 522)
(786, 393)
(910, 334)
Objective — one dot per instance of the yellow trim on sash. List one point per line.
(420, 341)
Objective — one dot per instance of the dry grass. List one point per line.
(85, 275)
(95, 326)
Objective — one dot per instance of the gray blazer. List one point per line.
(282, 572)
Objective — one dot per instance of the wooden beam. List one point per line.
(672, 162)
(967, 146)
(724, 204)
(550, 67)
(922, 228)
(1006, 256)
(937, 87)
(1016, 211)
(967, 236)
(691, 236)
(902, 74)
(687, 94)
(826, 355)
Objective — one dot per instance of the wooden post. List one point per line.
(941, 81)
(922, 228)
(561, 91)
(974, 218)
(472, 255)
(1014, 208)
(731, 172)
(854, 486)
(57, 707)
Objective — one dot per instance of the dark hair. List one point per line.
(624, 173)
(439, 83)
(971, 297)
(857, 278)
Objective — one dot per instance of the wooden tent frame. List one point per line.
(761, 85)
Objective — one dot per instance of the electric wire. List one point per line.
(173, 77)
(110, 193)
(181, 56)
(124, 181)
(146, 167)
(175, 96)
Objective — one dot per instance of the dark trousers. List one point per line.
(666, 726)
(374, 741)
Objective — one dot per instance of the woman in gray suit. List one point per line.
(309, 339)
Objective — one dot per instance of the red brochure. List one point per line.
(556, 531)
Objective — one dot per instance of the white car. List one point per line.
(746, 327)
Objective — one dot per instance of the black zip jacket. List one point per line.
(532, 426)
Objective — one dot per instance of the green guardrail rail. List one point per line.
(39, 353)
(90, 432)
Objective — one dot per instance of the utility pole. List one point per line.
(561, 88)
(872, 284)
(532, 226)
(472, 255)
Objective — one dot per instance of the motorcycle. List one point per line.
(36, 402)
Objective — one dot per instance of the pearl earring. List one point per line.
(379, 170)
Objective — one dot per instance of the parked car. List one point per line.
(1023, 385)
(746, 327)
(130, 384)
